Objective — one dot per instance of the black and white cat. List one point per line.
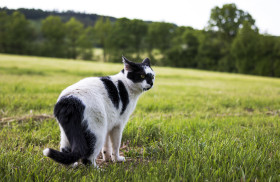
(93, 112)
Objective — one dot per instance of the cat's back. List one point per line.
(85, 90)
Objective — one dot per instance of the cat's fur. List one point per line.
(93, 112)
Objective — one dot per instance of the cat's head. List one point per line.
(141, 75)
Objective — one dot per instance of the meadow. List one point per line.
(192, 126)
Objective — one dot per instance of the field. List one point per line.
(192, 126)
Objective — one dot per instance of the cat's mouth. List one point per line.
(146, 89)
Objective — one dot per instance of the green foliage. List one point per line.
(160, 35)
(126, 38)
(120, 39)
(185, 52)
(73, 31)
(85, 43)
(209, 51)
(102, 30)
(15, 33)
(245, 49)
(20, 34)
(192, 126)
(230, 43)
(67, 39)
(228, 20)
(268, 56)
(38, 14)
(138, 30)
(53, 30)
(4, 19)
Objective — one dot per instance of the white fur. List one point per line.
(147, 70)
(104, 120)
(63, 139)
(75, 165)
(46, 152)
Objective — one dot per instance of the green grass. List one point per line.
(192, 126)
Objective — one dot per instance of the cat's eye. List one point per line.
(142, 76)
(153, 76)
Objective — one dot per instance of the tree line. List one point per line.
(231, 42)
(38, 14)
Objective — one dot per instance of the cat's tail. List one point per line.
(69, 113)
(62, 157)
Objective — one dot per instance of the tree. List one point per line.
(245, 49)
(127, 38)
(184, 52)
(160, 35)
(102, 29)
(53, 30)
(268, 55)
(276, 51)
(74, 30)
(19, 34)
(120, 40)
(85, 43)
(4, 20)
(209, 51)
(138, 30)
(228, 20)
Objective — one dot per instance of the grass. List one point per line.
(192, 126)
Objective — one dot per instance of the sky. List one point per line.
(194, 13)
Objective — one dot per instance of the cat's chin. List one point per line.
(146, 89)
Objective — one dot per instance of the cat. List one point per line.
(92, 114)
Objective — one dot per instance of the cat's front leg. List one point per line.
(116, 136)
(107, 149)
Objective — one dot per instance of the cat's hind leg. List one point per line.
(96, 142)
(107, 149)
(64, 142)
(116, 136)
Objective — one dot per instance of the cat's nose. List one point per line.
(150, 82)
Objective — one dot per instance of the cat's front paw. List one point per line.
(106, 159)
(119, 159)
(107, 156)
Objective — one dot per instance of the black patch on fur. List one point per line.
(112, 91)
(86, 162)
(149, 79)
(135, 70)
(123, 95)
(69, 112)
(66, 150)
(122, 71)
(135, 75)
(64, 158)
(105, 77)
(90, 138)
(147, 62)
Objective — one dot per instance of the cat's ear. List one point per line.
(147, 62)
(128, 65)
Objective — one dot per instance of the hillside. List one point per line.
(38, 14)
(192, 126)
